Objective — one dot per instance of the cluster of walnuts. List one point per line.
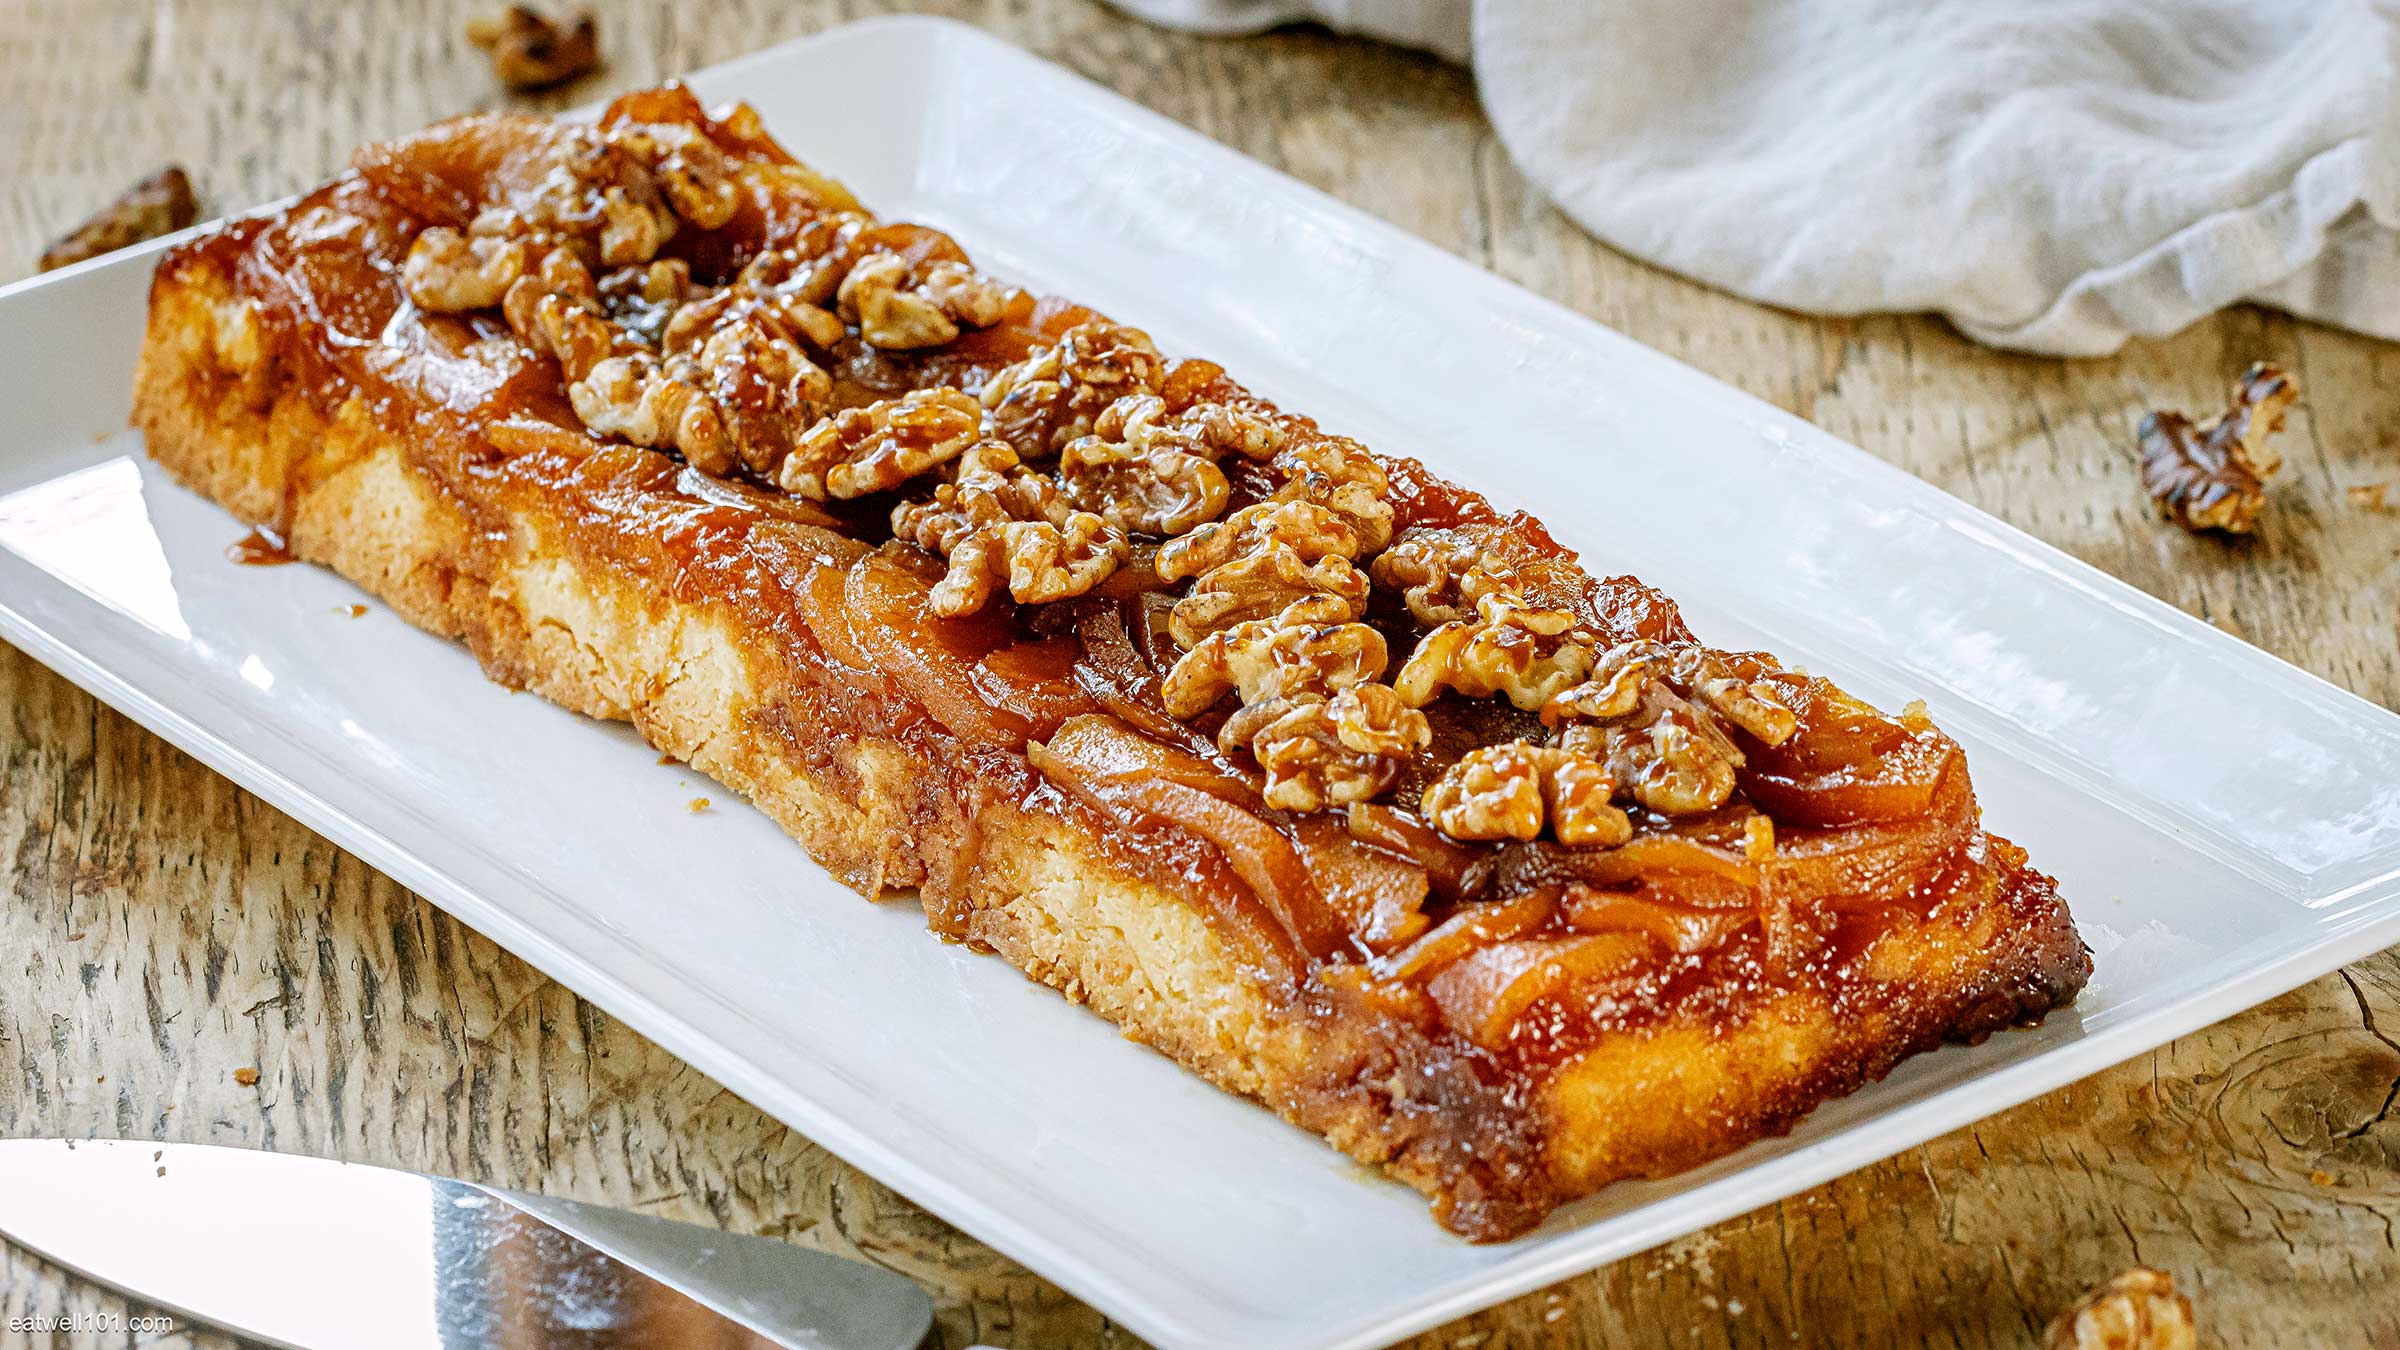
(1041, 482)
(730, 377)
(1640, 721)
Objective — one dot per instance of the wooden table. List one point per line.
(164, 929)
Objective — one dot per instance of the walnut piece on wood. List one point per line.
(530, 50)
(2214, 477)
(160, 204)
(2138, 1310)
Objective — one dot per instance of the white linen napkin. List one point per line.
(2051, 175)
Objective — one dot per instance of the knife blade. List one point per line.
(326, 1255)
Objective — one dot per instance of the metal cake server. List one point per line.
(324, 1255)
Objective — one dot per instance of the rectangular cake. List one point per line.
(1342, 786)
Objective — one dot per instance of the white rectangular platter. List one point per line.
(2224, 826)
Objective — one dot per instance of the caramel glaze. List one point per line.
(1466, 970)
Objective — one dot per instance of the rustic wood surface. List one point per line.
(163, 929)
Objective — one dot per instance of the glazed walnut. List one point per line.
(2214, 477)
(555, 309)
(1056, 395)
(1655, 717)
(1440, 577)
(1337, 473)
(877, 448)
(999, 524)
(1530, 655)
(2138, 1310)
(448, 272)
(1623, 673)
(695, 177)
(1260, 584)
(766, 389)
(1311, 647)
(1138, 483)
(899, 306)
(1319, 753)
(1513, 789)
(633, 396)
(1036, 561)
(1307, 531)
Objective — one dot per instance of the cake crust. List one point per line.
(722, 619)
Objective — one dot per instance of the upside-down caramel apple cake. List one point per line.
(1341, 785)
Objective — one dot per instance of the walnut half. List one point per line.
(1513, 789)
(1332, 752)
(1001, 526)
(1510, 648)
(2214, 477)
(1653, 715)
(530, 50)
(2138, 1310)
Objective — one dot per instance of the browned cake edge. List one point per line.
(602, 637)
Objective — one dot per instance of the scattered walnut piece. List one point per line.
(2214, 477)
(530, 50)
(1511, 790)
(160, 204)
(2369, 496)
(2138, 1310)
(1510, 647)
(246, 1077)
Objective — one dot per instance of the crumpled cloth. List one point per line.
(2050, 175)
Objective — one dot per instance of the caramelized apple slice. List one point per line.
(1034, 680)
(934, 660)
(1445, 860)
(1683, 929)
(1375, 895)
(1847, 763)
(1473, 926)
(1127, 773)
(1484, 996)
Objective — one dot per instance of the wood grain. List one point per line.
(163, 929)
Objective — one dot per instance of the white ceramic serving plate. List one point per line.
(2224, 825)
